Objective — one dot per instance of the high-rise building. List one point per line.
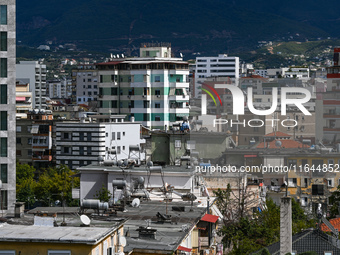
(220, 66)
(151, 88)
(328, 105)
(36, 73)
(7, 106)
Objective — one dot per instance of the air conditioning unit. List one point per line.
(158, 95)
(144, 95)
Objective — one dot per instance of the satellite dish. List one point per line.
(117, 55)
(85, 220)
(120, 162)
(135, 202)
(181, 55)
(150, 163)
(122, 241)
(278, 143)
(122, 55)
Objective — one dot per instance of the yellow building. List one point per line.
(19, 239)
(314, 177)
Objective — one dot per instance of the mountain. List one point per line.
(206, 26)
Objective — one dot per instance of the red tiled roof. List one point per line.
(278, 134)
(210, 218)
(286, 143)
(335, 222)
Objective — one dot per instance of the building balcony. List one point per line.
(179, 71)
(179, 97)
(179, 110)
(42, 158)
(179, 84)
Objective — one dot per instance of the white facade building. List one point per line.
(36, 73)
(57, 89)
(222, 66)
(80, 144)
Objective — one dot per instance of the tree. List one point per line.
(245, 231)
(25, 184)
(104, 195)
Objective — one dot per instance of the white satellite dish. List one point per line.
(85, 220)
(122, 241)
(117, 55)
(135, 202)
(122, 55)
(181, 55)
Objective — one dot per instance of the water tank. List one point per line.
(104, 206)
(109, 162)
(90, 203)
(120, 184)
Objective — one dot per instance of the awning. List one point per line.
(181, 248)
(210, 218)
(250, 156)
(20, 99)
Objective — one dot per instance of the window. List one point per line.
(3, 94)
(292, 182)
(7, 252)
(3, 41)
(118, 150)
(113, 136)
(328, 253)
(66, 150)
(18, 152)
(4, 202)
(3, 15)
(3, 147)
(157, 78)
(157, 92)
(118, 135)
(123, 133)
(157, 118)
(157, 105)
(292, 162)
(3, 120)
(18, 140)
(18, 129)
(331, 162)
(146, 104)
(3, 169)
(178, 144)
(59, 252)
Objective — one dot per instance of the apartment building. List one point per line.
(151, 88)
(328, 105)
(57, 88)
(222, 66)
(35, 72)
(7, 106)
(81, 143)
(23, 98)
(85, 81)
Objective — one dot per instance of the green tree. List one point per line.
(104, 195)
(252, 231)
(25, 184)
(56, 183)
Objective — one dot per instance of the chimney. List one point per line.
(285, 225)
